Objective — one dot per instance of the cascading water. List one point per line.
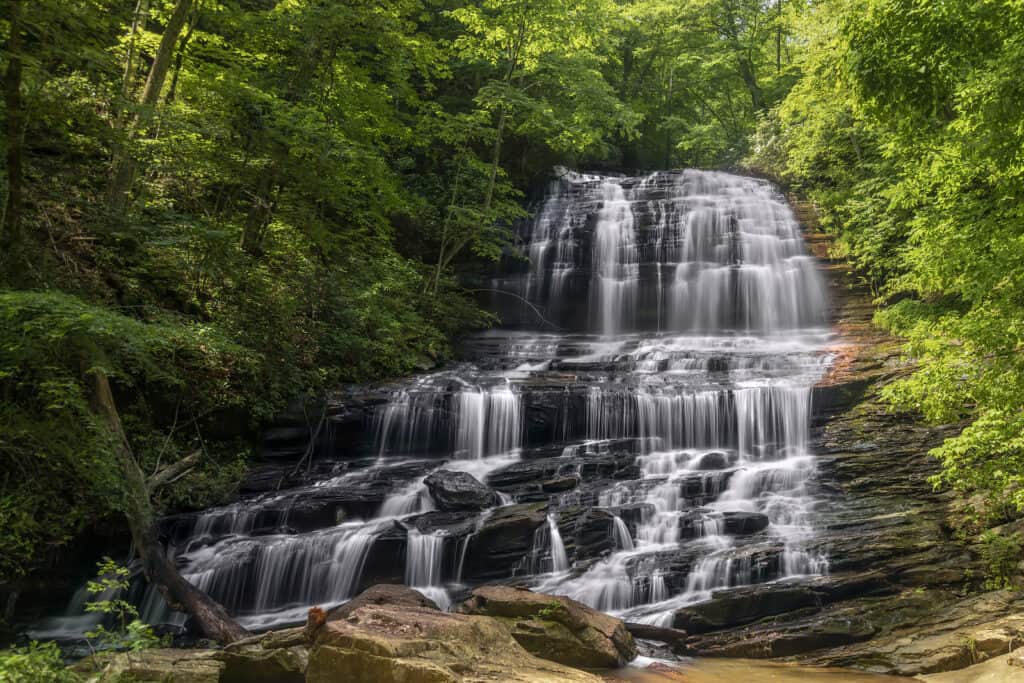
(651, 452)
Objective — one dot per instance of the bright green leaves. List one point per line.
(906, 128)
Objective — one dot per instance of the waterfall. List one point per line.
(623, 540)
(423, 559)
(559, 558)
(675, 394)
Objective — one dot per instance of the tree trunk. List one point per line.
(212, 619)
(746, 69)
(138, 25)
(778, 39)
(10, 227)
(123, 165)
(260, 213)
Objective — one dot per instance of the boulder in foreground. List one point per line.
(555, 627)
(398, 644)
(392, 594)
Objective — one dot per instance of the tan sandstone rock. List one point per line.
(555, 627)
(402, 644)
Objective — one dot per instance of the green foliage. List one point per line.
(550, 610)
(36, 663)
(131, 633)
(1001, 555)
(905, 128)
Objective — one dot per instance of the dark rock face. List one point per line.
(744, 523)
(504, 539)
(455, 491)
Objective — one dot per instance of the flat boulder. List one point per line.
(161, 664)
(555, 627)
(399, 644)
(455, 491)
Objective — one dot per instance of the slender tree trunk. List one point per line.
(10, 227)
(260, 213)
(495, 161)
(778, 40)
(445, 224)
(124, 166)
(668, 114)
(138, 24)
(212, 619)
(747, 73)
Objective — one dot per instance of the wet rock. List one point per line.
(451, 524)
(383, 594)
(586, 531)
(674, 638)
(716, 460)
(380, 565)
(387, 644)
(504, 540)
(555, 627)
(453, 491)
(743, 605)
(743, 523)
(559, 484)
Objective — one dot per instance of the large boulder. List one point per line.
(555, 627)
(454, 491)
(383, 594)
(400, 644)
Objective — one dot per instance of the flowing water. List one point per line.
(647, 432)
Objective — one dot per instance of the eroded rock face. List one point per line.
(398, 644)
(555, 627)
(454, 491)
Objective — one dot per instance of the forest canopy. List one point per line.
(222, 205)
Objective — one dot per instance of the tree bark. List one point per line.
(260, 212)
(747, 73)
(10, 227)
(124, 166)
(674, 638)
(211, 617)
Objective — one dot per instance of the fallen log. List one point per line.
(673, 637)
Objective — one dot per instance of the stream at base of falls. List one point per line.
(640, 446)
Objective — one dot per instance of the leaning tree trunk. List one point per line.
(212, 618)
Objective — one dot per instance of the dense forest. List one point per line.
(213, 208)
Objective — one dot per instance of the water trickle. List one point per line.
(623, 540)
(559, 558)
